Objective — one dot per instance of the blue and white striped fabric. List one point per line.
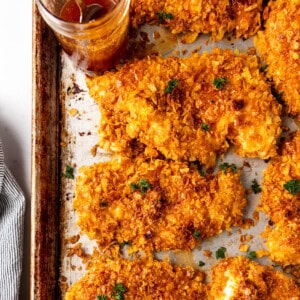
(12, 209)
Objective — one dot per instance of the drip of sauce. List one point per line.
(70, 12)
(185, 259)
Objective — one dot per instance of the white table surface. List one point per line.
(15, 104)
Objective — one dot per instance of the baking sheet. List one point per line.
(80, 124)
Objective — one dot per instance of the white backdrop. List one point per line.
(15, 103)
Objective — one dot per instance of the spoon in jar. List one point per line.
(88, 12)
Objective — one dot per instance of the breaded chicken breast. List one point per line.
(188, 108)
(156, 204)
(216, 17)
(279, 46)
(140, 279)
(239, 278)
(281, 201)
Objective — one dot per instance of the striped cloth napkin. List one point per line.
(12, 209)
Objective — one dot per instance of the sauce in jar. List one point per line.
(97, 43)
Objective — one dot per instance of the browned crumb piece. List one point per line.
(94, 150)
(248, 223)
(188, 108)
(73, 239)
(207, 253)
(76, 250)
(279, 45)
(216, 17)
(281, 201)
(239, 278)
(139, 279)
(244, 247)
(255, 215)
(156, 204)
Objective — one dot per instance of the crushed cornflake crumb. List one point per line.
(94, 150)
(207, 253)
(244, 247)
(262, 253)
(73, 112)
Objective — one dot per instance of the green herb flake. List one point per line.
(196, 234)
(69, 173)
(162, 16)
(220, 253)
(251, 255)
(134, 186)
(219, 82)
(255, 187)
(125, 243)
(103, 204)
(263, 68)
(225, 166)
(205, 126)
(144, 186)
(292, 186)
(201, 172)
(102, 297)
(201, 263)
(171, 85)
(118, 291)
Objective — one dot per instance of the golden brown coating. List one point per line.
(276, 201)
(283, 242)
(213, 16)
(239, 278)
(141, 279)
(156, 204)
(282, 205)
(216, 97)
(279, 45)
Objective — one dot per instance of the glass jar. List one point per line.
(94, 46)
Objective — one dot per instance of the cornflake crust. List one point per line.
(243, 18)
(279, 46)
(188, 108)
(156, 204)
(239, 278)
(139, 279)
(281, 201)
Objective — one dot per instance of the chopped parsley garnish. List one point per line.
(196, 234)
(205, 126)
(219, 82)
(201, 263)
(251, 255)
(220, 253)
(103, 204)
(143, 186)
(125, 243)
(102, 297)
(201, 172)
(162, 16)
(69, 173)
(226, 166)
(255, 187)
(263, 68)
(171, 86)
(118, 291)
(292, 186)
(134, 186)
